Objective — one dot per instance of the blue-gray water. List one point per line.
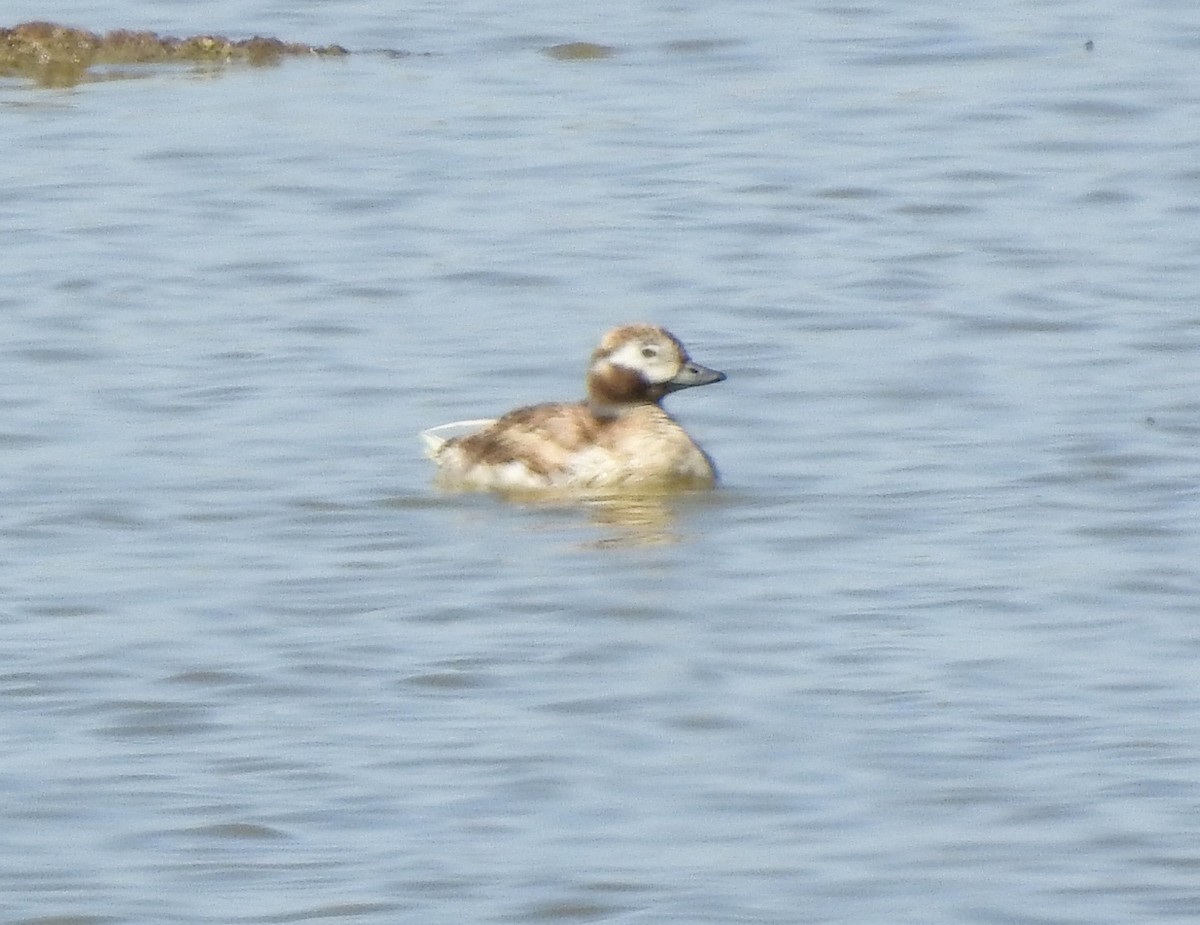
(930, 656)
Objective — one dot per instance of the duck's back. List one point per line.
(567, 446)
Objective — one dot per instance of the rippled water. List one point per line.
(929, 656)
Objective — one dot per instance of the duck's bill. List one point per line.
(694, 374)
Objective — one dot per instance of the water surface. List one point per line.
(928, 656)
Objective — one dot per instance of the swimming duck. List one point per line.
(618, 437)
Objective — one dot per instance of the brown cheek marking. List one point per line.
(617, 386)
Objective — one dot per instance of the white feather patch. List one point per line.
(435, 437)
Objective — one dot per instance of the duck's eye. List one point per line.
(649, 353)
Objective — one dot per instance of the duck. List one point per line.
(617, 438)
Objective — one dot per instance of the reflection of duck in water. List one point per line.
(617, 438)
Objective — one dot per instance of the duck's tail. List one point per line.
(435, 437)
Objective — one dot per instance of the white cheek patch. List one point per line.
(656, 369)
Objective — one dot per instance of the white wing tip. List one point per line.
(435, 437)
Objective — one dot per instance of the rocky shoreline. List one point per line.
(51, 54)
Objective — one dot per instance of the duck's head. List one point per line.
(639, 364)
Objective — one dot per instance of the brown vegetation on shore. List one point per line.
(55, 55)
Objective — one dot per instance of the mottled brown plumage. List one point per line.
(619, 437)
